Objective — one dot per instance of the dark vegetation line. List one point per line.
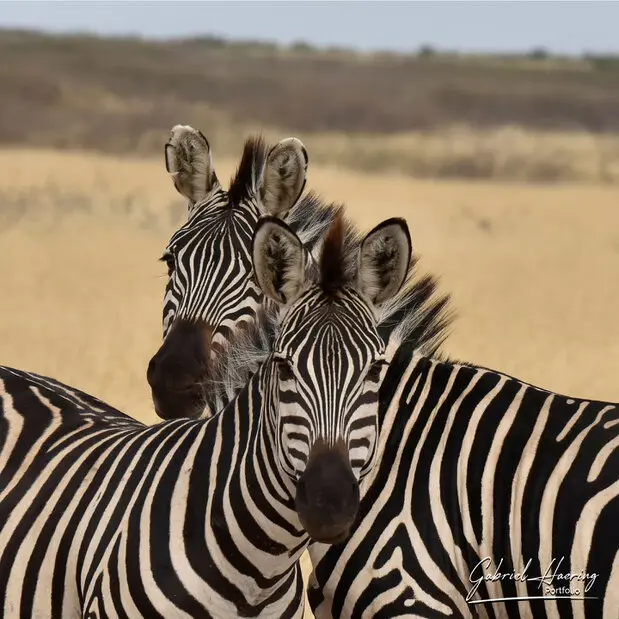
(123, 94)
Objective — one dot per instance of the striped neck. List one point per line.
(248, 506)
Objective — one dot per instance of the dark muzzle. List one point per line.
(178, 370)
(327, 498)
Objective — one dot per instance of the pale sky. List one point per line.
(565, 27)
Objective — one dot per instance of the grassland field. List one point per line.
(533, 270)
(528, 117)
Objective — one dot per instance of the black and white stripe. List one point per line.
(479, 474)
(328, 400)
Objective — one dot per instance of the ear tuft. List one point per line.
(384, 260)
(283, 176)
(188, 162)
(279, 260)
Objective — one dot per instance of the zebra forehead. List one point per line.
(333, 328)
(212, 226)
(346, 308)
(333, 349)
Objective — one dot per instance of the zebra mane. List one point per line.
(338, 255)
(243, 184)
(417, 317)
(309, 218)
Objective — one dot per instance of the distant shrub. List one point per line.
(123, 95)
(302, 47)
(604, 63)
(426, 51)
(208, 41)
(539, 53)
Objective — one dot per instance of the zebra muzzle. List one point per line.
(327, 494)
(178, 369)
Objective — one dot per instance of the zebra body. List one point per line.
(101, 516)
(483, 484)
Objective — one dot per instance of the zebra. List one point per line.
(490, 497)
(102, 516)
(211, 292)
(390, 590)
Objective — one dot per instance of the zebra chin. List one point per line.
(327, 494)
(176, 405)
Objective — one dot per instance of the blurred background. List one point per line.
(493, 127)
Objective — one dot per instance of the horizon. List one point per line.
(133, 36)
(501, 27)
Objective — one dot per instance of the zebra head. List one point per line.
(328, 360)
(210, 293)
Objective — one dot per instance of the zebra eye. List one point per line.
(375, 370)
(168, 258)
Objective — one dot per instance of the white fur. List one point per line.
(243, 357)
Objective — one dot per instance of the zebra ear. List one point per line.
(279, 260)
(384, 260)
(283, 176)
(188, 162)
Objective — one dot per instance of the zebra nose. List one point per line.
(334, 496)
(333, 500)
(177, 371)
(165, 372)
(327, 495)
(151, 370)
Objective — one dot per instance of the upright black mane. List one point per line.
(338, 255)
(243, 183)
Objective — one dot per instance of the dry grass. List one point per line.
(442, 116)
(508, 153)
(534, 270)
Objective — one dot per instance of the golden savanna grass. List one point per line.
(533, 270)
(507, 153)
(527, 117)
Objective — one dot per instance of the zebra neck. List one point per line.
(250, 508)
